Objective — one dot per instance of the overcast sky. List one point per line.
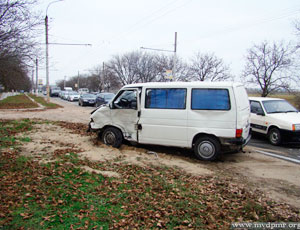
(225, 27)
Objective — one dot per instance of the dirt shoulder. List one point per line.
(278, 179)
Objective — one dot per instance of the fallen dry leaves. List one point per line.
(148, 197)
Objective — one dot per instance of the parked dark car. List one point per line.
(104, 98)
(87, 99)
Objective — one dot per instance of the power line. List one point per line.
(248, 25)
(69, 44)
(144, 19)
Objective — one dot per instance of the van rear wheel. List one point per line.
(112, 136)
(207, 148)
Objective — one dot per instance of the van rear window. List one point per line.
(210, 99)
(165, 98)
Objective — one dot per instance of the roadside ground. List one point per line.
(254, 186)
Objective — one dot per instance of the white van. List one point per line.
(205, 116)
(68, 89)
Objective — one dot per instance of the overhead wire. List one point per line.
(144, 19)
(289, 12)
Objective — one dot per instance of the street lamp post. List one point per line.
(173, 51)
(47, 50)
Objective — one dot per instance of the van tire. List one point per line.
(274, 136)
(113, 137)
(207, 148)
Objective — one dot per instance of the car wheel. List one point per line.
(274, 136)
(207, 148)
(113, 137)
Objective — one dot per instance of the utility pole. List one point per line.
(173, 51)
(36, 72)
(174, 58)
(78, 82)
(103, 71)
(104, 77)
(47, 57)
(32, 81)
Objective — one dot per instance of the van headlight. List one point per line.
(296, 127)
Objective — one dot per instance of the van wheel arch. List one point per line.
(206, 147)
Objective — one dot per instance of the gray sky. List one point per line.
(225, 27)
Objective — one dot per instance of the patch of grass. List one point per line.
(61, 195)
(17, 102)
(42, 101)
(9, 129)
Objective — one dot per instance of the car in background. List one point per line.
(83, 90)
(66, 94)
(104, 98)
(54, 91)
(87, 99)
(73, 96)
(61, 94)
(275, 118)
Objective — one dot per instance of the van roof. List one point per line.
(184, 84)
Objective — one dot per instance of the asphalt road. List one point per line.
(291, 150)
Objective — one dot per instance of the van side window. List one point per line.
(210, 99)
(165, 98)
(126, 100)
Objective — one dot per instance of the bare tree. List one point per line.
(18, 26)
(165, 63)
(106, 80)
(146, 68)
(208, 67)
(124, 67)
(269, 66)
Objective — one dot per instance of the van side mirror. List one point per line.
(260, 113)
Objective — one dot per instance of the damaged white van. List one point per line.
(204, 116)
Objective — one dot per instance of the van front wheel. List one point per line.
(207, 148)
(112, 136)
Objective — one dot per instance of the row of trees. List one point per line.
(134, 67)
(271, 66)
(18, 26)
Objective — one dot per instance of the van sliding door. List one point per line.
(163, 118)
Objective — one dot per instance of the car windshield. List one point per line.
(278, 106)
(88, 95)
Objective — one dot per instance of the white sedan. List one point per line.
(275, 118)
(73, 96)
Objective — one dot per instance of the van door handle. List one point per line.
(138, 127)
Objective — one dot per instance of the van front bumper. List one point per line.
(90, 129)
